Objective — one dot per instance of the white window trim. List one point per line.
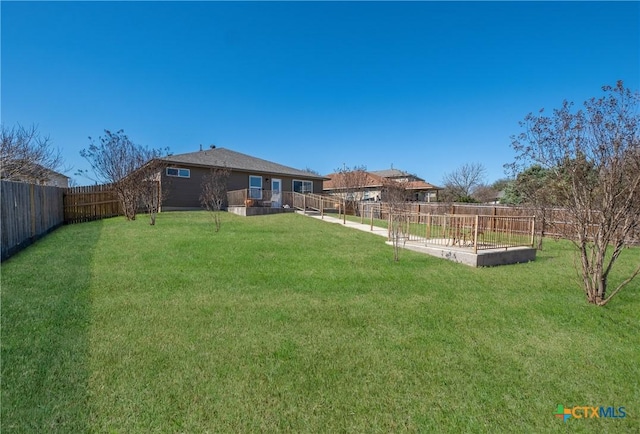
(178, 169)
(301, 181)
(257, 189)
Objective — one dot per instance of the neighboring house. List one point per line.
(496, 199)
(183, 176)
(373, 188)
(422, 191)
(33, 174)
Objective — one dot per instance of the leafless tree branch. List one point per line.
(26, 155)
(116, 160)
(214, 192)
(592, 160)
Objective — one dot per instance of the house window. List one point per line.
(255, 187)
(302, 186)
(180, 173)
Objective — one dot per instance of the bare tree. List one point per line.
(312, 171)
(150, 190)
(460, 184)
(593, 158)
(396, 198)
(485, 193)
(214, 192)
(351, 183)
(26, 155)
(115, 160)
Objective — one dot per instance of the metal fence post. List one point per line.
(475, 235)
(533, 230)
(344, 215)
(371, 208)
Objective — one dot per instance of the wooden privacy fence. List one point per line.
(28, 212)
(94, 202)
(552, 222)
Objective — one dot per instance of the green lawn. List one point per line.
(287, 323)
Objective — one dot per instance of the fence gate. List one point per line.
(94, 202)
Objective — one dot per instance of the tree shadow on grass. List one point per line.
(45, 314)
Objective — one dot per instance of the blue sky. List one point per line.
(425, 86)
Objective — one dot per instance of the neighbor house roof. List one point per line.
(222, 157)
(376, 180)
(334, 181)
(414, 183)
(394, 173)
(26, 171)
(420, 185)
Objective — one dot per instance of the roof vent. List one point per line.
(212, 146)
(200, 147)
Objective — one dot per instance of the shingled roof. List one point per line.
(394, 173)
(420, 185)
(222, 157)
(335, 181)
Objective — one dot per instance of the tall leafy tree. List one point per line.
(534, 187)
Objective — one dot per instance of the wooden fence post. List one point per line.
(32, 200)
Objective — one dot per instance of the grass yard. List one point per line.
(286, 323)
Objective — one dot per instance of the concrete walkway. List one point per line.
(482, 258)
(350, 224)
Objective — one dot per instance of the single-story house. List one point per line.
(421, 190)
(370, 186)
(183, 175)
(373, 182)
(32, 173)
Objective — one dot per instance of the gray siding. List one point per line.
(184, 193)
